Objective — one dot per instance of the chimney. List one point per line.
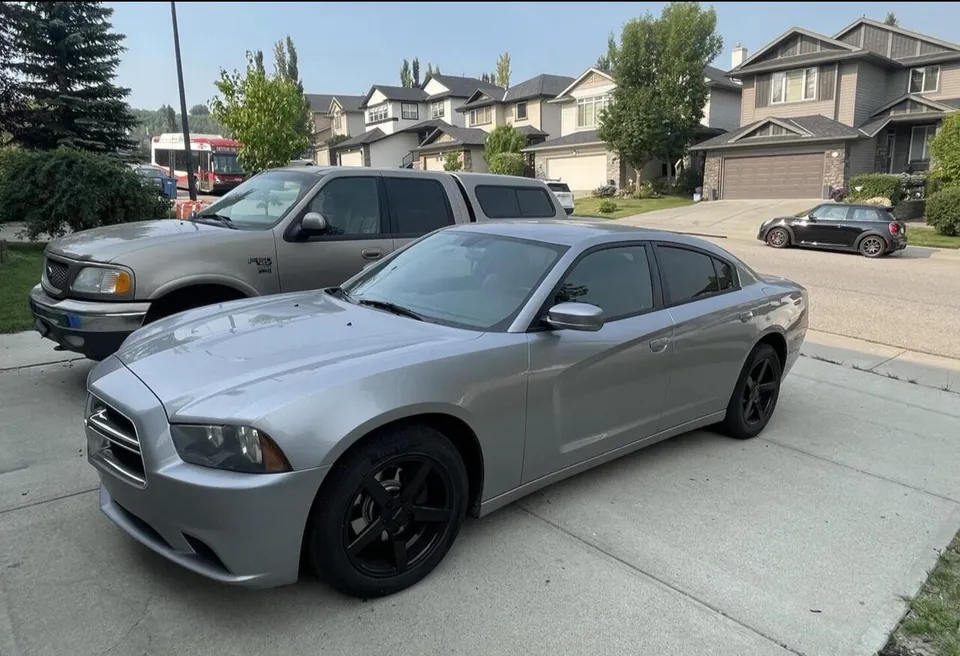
(739, 54)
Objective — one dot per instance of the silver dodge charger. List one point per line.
(350, 430)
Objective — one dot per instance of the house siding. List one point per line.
(847, 94)
(390, 152)
(862, 157)
(949, 82)
(747, 102)
(550, 119)
(533, 114)
(870, 92)
(722, 110)
(824, 104)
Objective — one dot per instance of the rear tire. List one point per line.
(872, 246)
(388, 512)
(755, 395)
(778, 238)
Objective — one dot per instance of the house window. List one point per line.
(925, 80)
(920, 138)
(376, 114)
(437, 109)
(481, 116)
(793, 86)
(521, 112)
(338, 120)
(410, 111)
(588, 110)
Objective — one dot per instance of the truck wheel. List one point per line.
(190, 298)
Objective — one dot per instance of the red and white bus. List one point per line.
(215, 162)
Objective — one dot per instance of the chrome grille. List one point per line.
(120, 445)
(56, 273)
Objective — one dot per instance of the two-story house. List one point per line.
(524, 106)
(398, 119)
(817, 110)
(578, 157)
(334, 115)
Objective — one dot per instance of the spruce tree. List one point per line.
(70, 58)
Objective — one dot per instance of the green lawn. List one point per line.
(17, 277)
(626, 207)
(933, 621)
(920, 235)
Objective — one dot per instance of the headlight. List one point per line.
(98, 280)
(236, 448)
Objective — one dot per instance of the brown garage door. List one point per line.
(775, 176)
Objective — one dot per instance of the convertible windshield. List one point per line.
(263, 200)
(460, 278)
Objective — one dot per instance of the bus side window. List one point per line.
(163, 158)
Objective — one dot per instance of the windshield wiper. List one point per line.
(391, 307)
(339, 292)
(219, 218)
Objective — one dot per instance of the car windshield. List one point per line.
(226, 164)
(464, 279)
(150, 172)
(263, 200)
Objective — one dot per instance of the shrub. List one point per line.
(687, 182)
(507, 164)
(452, 161)
(53, 190)
(607, 207)
(605, 191)
(646, 189)
(913, 185)
(945, 151)
(504, 139)
(943, 211)
(871, 185)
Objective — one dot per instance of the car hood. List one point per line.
(108, 243)
(218, 361)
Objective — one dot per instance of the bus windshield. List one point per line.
(226, 163)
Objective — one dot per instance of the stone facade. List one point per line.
(614, 169)
(835, 169)
(711, 177)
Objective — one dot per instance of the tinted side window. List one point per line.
(725, 276)
(863, 214)
(500, 202)
(686, 274)
(617, 280)
(418, 206)
(837, 212)
(351, 206)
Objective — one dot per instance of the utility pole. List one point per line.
(191, 181)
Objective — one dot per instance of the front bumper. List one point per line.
(93, 329)
(240, 529)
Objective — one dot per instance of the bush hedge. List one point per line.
(943, 211)
(507, 164)
(53, 190)
(872, 185)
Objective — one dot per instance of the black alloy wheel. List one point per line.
(872, 246)
(755, 395)
(388, 512)
(778, 238)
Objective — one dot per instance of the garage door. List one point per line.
(582, 173)
(777, 176)
(352, 159)
(433, 162)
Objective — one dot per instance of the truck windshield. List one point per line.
(264, 200)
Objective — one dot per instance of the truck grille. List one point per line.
(122, 451)
(56, 273)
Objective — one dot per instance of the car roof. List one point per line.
(466, 178)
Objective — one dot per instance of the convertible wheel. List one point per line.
(388, 512)
(755, 395)
(778, 238)
(872, 246)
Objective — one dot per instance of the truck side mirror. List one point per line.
(313, 223)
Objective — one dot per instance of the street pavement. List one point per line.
(911, 300)
(799, 542)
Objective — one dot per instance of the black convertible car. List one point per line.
(870, 230)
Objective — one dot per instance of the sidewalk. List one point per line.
(28, 349)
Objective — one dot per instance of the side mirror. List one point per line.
(811, 218)
(313, 222)
(575, 316)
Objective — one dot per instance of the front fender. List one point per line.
(205, 279)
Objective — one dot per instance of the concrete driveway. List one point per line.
(799, 542)
(730, 218)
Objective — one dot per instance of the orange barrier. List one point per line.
(187, 207)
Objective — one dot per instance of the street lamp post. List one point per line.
(191, 181)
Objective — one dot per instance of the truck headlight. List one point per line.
(236, 448)
(100, 280)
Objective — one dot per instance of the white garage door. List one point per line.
(433, 162)
(775, 176)
(354, 158)
(581, 173)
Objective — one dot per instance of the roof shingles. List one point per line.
(816, 128)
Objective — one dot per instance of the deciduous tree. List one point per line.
(503, 139)
(70, 54)
(661, 92)
(503, 70)
(891, 19)
(287, 66)
(406, 77)
(945, 151)
(416, 72)
(605, 61)
(263, 113)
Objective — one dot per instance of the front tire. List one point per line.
(778, 238)
(388, 512)
(755, 396)
(872, 246)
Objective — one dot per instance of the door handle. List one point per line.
(371, 254)
(658, 345)
(746, 316)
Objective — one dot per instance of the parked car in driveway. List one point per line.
(286, 229)
(871, 230)
(562, 191)
(353, 428)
